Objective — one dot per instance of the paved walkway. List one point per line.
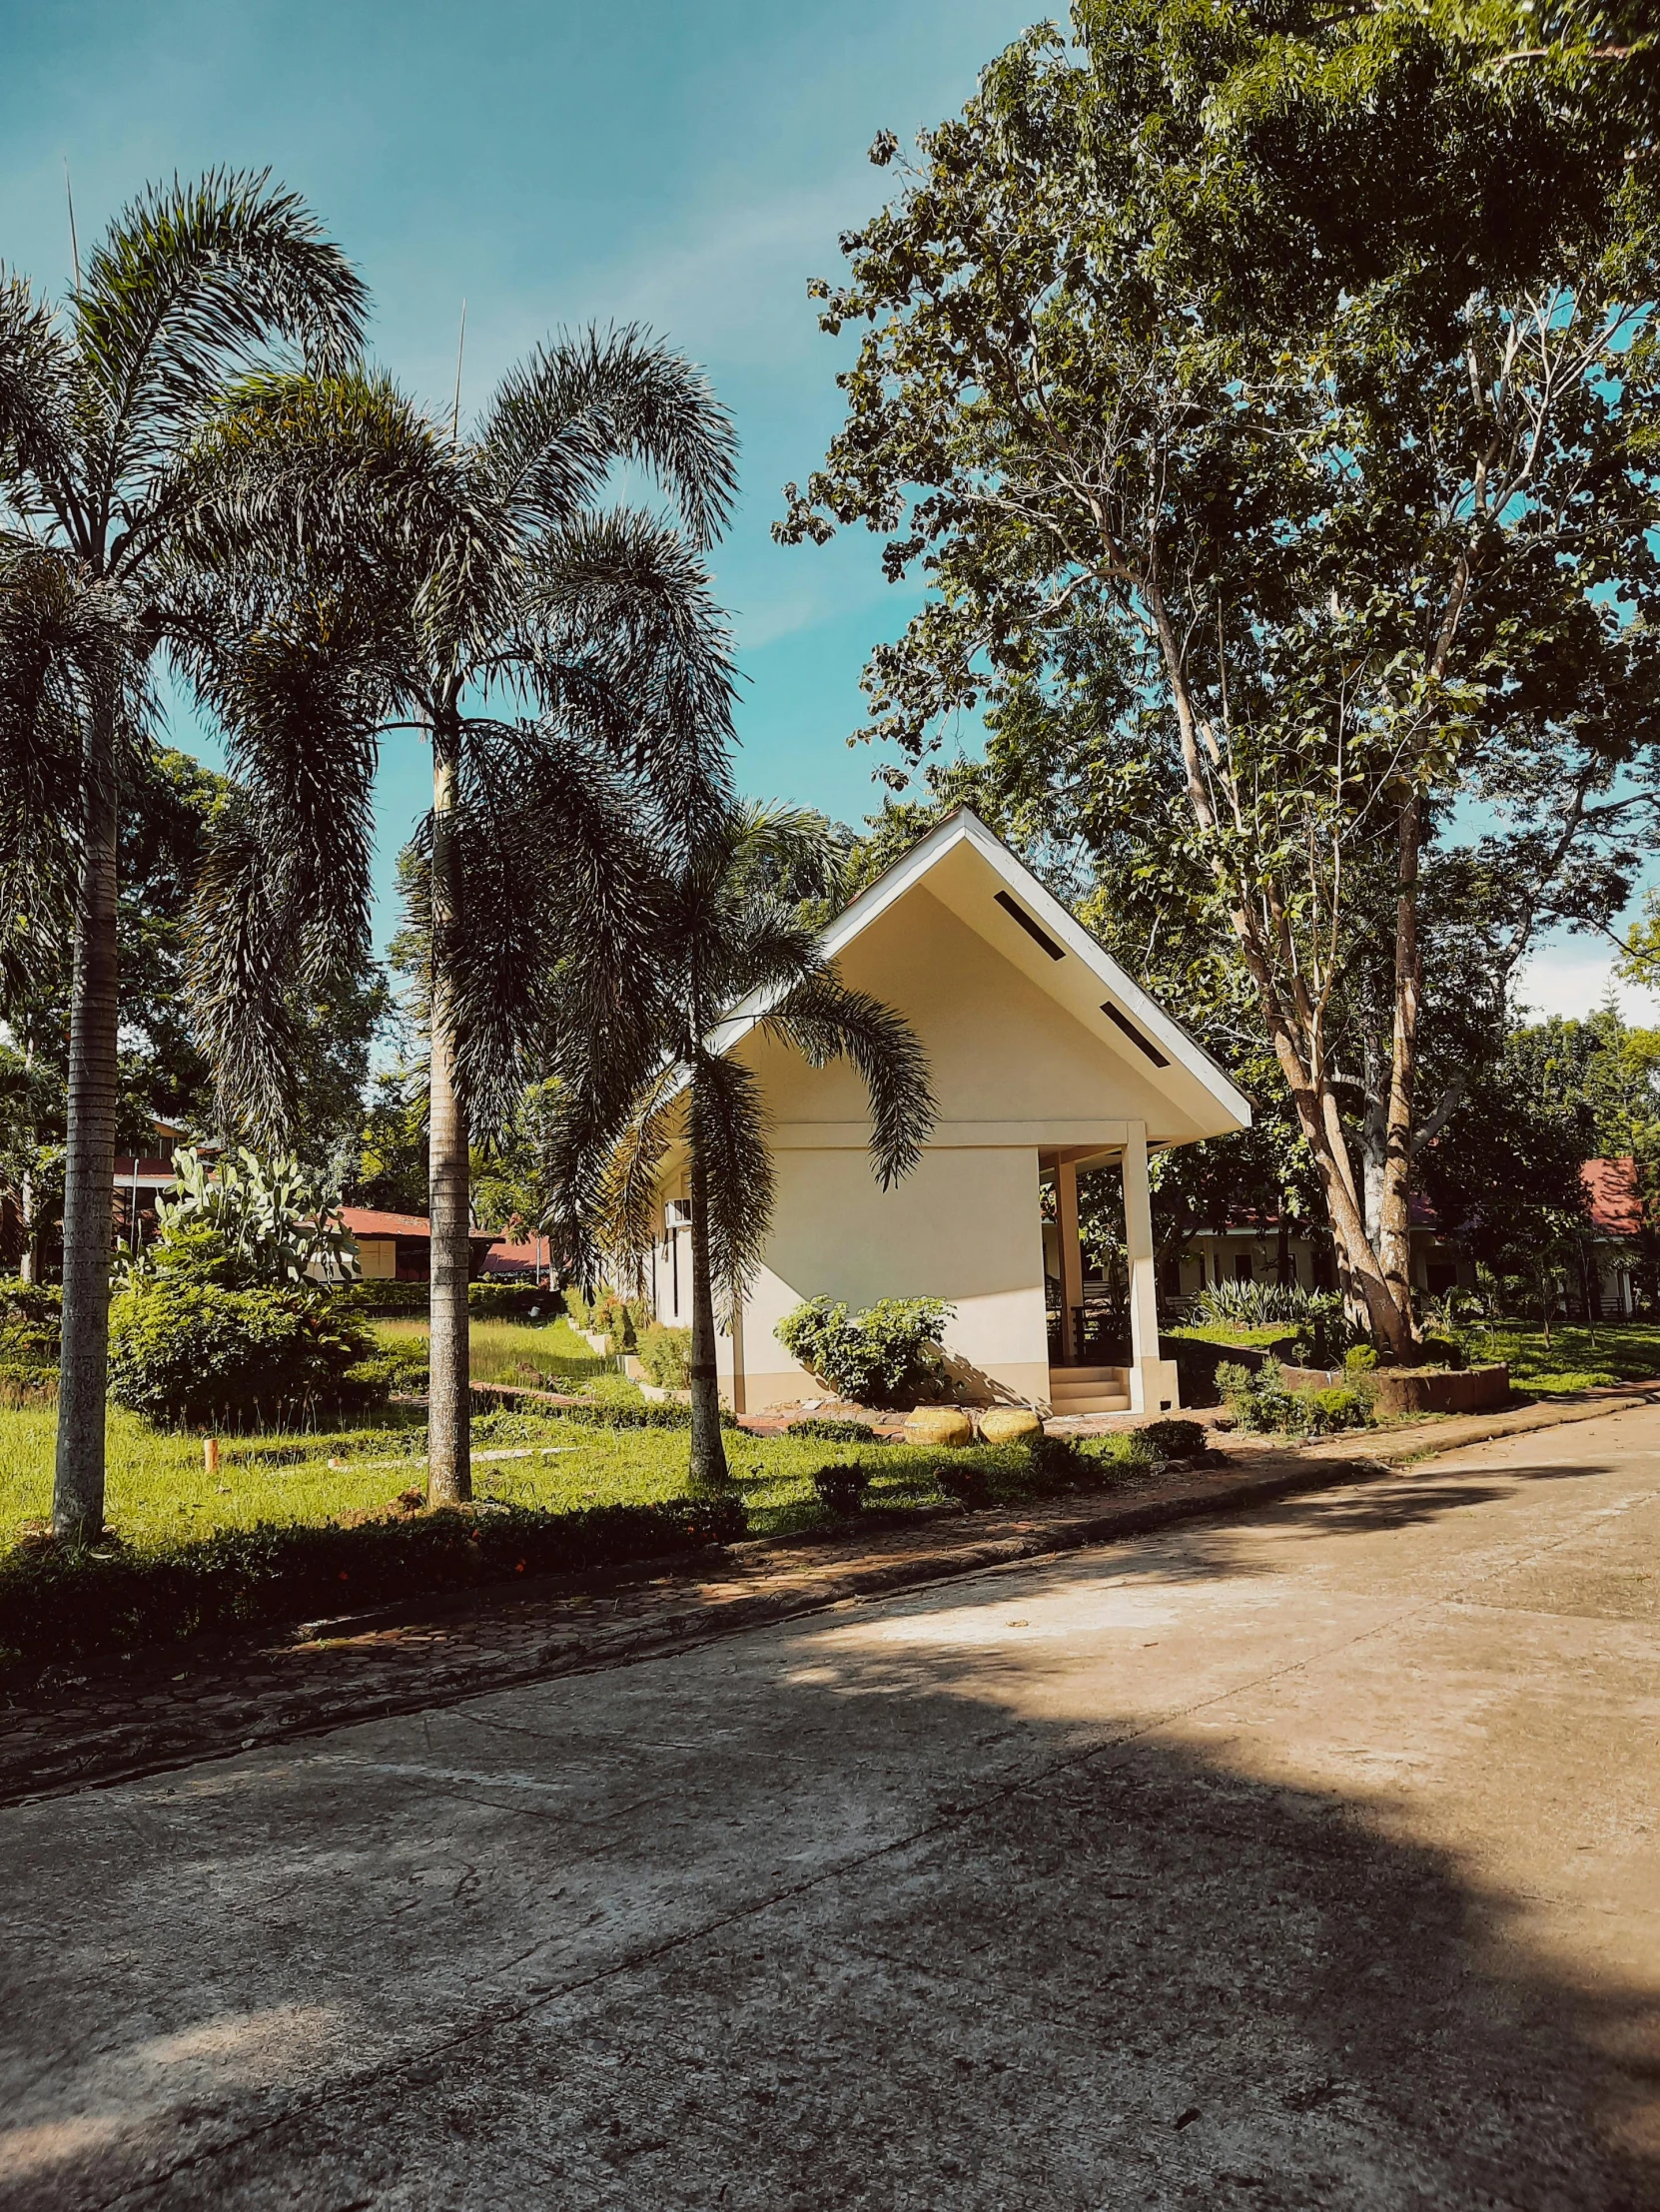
(1304, 1858)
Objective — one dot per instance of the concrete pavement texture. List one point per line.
(1302, 1859)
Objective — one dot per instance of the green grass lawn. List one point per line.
(1623, 1351)
(545, 1353)
(159, 1491)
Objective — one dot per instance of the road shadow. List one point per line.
(862, 1939)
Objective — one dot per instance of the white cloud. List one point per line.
(1560, 981)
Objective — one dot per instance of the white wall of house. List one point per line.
(1014, 1072)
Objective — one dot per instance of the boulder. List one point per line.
(946, 1425)
(1009, 1424)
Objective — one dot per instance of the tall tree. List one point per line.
(720, 932)
(191, 284)
(1330, 464)
(378, 570)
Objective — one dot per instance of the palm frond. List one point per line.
(68, 658)
(619, 622)
(825, 1019)
(624, 1204)
(582, 402)
(727, 1126)
(191, 282)
(553, 888)
(37, 406)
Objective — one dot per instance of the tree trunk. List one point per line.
(1284, 1274)
(709, 1470)
(448, 1403)
(1394, 1249)
(1375, 1135)
(89, 1161)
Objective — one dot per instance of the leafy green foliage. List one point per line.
(31, 1323)
(841, 1488)
(199, 1353)
(1174, 1439)
(1250, 1304)
(665, 1354)
(822, 1429)
(1260, 1400)
(59, 1602)
(272, 1222)
(888, 1355)
(1232, 382)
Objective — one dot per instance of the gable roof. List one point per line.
(971, 871)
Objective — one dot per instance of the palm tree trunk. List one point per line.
(89, 1162)
(709, 1470)
(450, 1466)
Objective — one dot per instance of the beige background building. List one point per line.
(1046, 1058)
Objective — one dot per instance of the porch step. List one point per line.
(1089, 1389)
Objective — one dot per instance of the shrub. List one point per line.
(1326, 1334)
(25, 1384)
(199, 1353)
(665, 1354)
(1258, 1399)
(31, 1324)
(384, 1296)
(889, 1355)
(963, 1482)
(598, 1413)
(1338, 1407)
(1262, 1402)
(1174, 1439)
(488, 1301)
(1440, 1351)
(1057, 1463)
(841, 1489)
(578, 1309)
(822, 1430)
(59, 1602)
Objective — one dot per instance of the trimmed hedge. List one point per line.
(487, 1300)
(598, 1415)
(202, 1354)
(63, 1603)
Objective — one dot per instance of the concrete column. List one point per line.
(1072, 1258)
(1152, 1384)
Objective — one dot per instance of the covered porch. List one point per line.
(1104, 1338)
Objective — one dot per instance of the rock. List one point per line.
(1008, 1424)
(946, 1425)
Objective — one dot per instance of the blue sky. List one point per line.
(685, 165)
(688, 166)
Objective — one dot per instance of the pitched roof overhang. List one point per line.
(975, 875)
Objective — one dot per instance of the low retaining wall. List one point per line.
(1418, 1389)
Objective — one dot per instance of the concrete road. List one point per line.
(1305, 1860)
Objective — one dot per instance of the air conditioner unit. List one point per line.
(677, 1214)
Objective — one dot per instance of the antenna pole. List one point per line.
(74, 242)
(460, 351)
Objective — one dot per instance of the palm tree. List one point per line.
(192, 284)
(722, 934)
(379, 570)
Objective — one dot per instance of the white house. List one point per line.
(1046, 1058)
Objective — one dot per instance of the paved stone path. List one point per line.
(1302, 1859)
